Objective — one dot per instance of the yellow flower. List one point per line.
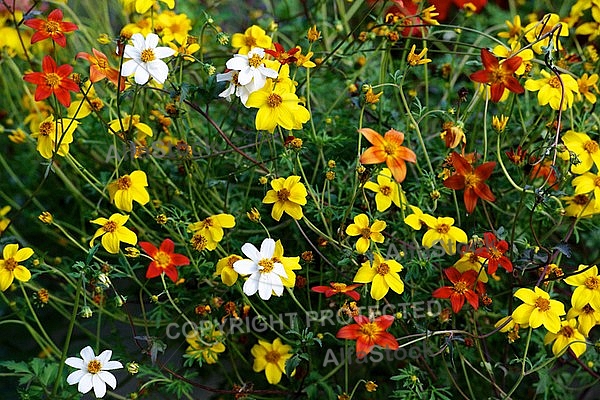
(387, 191)
(586, 84)
(130, 123)
(499, 123)
(587, 183)
(591, 28)
(372, 98)
(567, 337)
(4, 222)
(515, 50)
(587, 317)
(428, 15)
(550, 89)
(254, 36)
(469, 261)
(414, 220)
(128, 188)
(313, 34)
(212, 228)
(113, 232)
(383, 275)
(277, 106)
(271, 358)
(225, 268)
(175, 27)
(536, 29)
(586, 149)
(361, 228)
(538, 309)
(206, 348)
(304, 60)
(185, 50)
(514, 30)
(579, 206)
(587, 282)
(85, 105)
(141, 6)
(55, 136)
(417, 59)
(290, 264)
(288, 195)
(10, 267)
(441, 231)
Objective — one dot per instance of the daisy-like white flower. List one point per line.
(92, 371)
(146, 59)
(234, 88)
(252, 69)
(265, 273)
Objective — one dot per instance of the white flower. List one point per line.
(91, 371)
(253, 71)
(265, 273)
(146, 59)
(234, 87)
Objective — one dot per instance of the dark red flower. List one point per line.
(335, 287)
(53, 80)
(54, 27)
(164, 259)
(443, 6)
(462, 288)
(369, 334)
(499, 75)
(472, 180)
(518, 156)
(284, 57)
(493, 251)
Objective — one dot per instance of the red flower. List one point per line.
(499, 75)
(494, 250)
(335, 287)
(164, 259)
(443, 6)
(284, 57)
(100, 68)
(517, 157)
(462, 288)
(369, 334)
(53, 80)
(472, 180)
(54, 27)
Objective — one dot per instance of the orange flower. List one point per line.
(336, 287)
(164, 259)
(54, 27)
(498, 75)
(368, 334)
(471, 180)
(53, 80)
(461, 289)
(100, 68)
(388, 149)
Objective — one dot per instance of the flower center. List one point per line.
(554, 82)
(267, 265)
(124, 182)
(274, 100)
(96, 104)
(597, 182)
(255, 61)
(250, 41)
(232, 261)
(443, 229)
(338, 286)
(592, 282)
(542, 304)
(389, 148)
(460, 287)
(383, 269)
(413, 59)
(370, 329)
(495, 253)
(566, 331)
(473, 258)
(588, 310)
(499, 75)
(365, 232)
(283, 194)
(147, 55)
(52, 80)
(385, 190)
(198, 241)
(46, 128)
(163, 260)
(471, 180)
(272, 357)
(101, 63)
(10, 264)
(52, 27)
(591, 146)
(110, 226)
(580, 199)
(94, 367)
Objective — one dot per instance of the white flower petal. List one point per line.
(158, 70)
(108, 378)
(251, 284)
(141, 76)
(245, 76)
(75, 376)
(264, 287)
(268, 72)
(128, 68)
(75, 362)
(110, 365)
(138, 41)
(238, 62)
(85, 384)
(279, 270)
(131, 52)
(225, 77)
(267, 248)
(277, 287)
(87, 354)
(162, 52)
(99, 386)
(251, 252)
(245, 267)
(104, 357)
(151, 41)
